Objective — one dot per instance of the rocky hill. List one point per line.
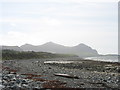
(81, 50)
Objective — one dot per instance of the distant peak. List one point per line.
(27, 44)
(52, 44)
(49, 43)
(81, 44)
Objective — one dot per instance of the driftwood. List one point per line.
(66, 75)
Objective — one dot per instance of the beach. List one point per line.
(35, 74)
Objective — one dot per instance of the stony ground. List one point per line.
(37, 74)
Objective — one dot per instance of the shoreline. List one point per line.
(92, 74)
(68, 58)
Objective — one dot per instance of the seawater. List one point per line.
(105, 58)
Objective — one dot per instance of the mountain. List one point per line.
(84, 50)
(81, 50)
(29, 47)
(16, 48)
(47, 47)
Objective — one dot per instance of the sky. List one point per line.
(66, 22)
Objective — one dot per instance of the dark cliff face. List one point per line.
(81, 50)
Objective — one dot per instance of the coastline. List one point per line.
(92, 74)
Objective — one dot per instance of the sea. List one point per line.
(106, 58)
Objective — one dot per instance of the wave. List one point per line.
(105, 58)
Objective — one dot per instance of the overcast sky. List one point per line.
(66, 22)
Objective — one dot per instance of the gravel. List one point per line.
(31, 74)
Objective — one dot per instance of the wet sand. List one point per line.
(41, 74)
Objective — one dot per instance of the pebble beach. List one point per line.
(36, 74)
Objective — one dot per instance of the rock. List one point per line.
(49, 68)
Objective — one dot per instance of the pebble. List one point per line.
(17, 81)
